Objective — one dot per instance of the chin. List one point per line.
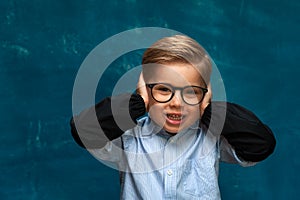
(172, 131)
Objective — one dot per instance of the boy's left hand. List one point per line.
(207, 100)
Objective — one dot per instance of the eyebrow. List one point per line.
(175, 86)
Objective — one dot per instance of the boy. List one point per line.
(173, 152)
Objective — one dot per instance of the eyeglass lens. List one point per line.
(190, 94)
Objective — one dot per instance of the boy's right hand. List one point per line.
(142, 90)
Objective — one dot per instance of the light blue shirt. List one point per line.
(155, 165)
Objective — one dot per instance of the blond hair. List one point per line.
(179, 49)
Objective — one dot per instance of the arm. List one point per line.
(85, 127)
(251, 139)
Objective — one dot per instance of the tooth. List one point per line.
(175, 116)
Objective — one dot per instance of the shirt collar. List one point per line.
(150, 128)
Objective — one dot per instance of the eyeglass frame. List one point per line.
(151, 86)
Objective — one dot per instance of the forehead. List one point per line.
(177, 74)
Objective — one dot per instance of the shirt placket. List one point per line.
(170, 170)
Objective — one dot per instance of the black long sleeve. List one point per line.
(251, 139)
(85, 127)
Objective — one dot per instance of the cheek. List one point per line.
(152, 105)
(155, 108)
(194, 114)
(156, 113)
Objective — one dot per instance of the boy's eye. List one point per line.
(163, 89)
(190, 91)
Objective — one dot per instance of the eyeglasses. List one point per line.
(164, 92)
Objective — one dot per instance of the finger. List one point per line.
(206, 100)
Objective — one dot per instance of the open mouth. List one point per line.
(175, 117)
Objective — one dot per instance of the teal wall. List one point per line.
(43, 43)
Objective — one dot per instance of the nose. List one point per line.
(176, 101)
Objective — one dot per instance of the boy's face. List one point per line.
(174, 115)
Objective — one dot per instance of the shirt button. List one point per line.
(170, 172)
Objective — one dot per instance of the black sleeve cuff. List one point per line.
(119, 113)
(137, 107)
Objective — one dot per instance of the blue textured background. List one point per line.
(255, 44)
